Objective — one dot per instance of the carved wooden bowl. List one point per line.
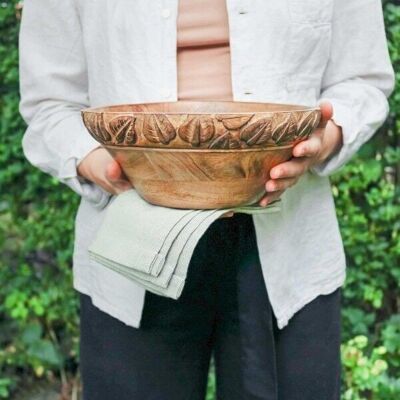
(200, 155)
(211, 125)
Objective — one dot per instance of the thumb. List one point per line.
(113, 171)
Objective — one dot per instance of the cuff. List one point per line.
(56, 142)
(89, 191)
(69, 175)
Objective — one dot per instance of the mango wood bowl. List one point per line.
(200, 155)
(204, 125)
(199, 178)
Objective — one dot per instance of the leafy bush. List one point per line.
(38, 307)
(367, 195)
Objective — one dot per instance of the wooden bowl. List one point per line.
(204, 125)
(199, 178)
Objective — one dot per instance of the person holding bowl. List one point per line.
(263, 292)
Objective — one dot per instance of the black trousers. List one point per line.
(223, 311)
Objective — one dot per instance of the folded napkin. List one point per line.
(153, 245)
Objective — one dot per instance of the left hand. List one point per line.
(325, 141)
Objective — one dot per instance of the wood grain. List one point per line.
(199, 179)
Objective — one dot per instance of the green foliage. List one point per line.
(367, 374)
(367, 196)
(4, 385)
(38, 307)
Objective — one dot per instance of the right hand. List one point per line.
(100, 168)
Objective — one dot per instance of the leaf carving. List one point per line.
(225, 141)
(197, 130)
(123, 130)
(89, 121)
(102, 129)
(94, 122)
(307, 123)
(234, 122)
(258, 132)
(284, 128)
(158, 129)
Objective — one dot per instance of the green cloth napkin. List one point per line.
(153, 245)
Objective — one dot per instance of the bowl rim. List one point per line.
(103, 109)
(198, 150)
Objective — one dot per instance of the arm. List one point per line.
(54, 88)
(357, 81)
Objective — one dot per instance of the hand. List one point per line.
(228, 214)
(325, 141)
(99, 167)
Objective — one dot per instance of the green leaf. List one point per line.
(45, 351)
(32, 333)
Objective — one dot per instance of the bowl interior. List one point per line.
(200, 107)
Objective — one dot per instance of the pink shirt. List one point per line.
(203, 54)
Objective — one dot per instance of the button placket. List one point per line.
(169, 50)
(243, 88)
(242, 7)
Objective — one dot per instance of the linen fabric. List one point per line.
(224, 310)
(99, 52)
(152, 245)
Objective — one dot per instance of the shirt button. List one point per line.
(166, 13)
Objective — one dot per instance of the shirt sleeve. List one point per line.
(358, 78)
(54, 88)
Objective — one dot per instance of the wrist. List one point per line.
(81, 169)
(82, 165)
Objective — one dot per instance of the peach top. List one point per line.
(203, 52)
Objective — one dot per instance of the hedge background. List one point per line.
(38, 307)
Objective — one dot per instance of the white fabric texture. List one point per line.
(78, 53)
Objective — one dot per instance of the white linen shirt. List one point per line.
(79, 53)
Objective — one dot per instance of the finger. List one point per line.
(121, 189)
(326, 113)
(122, 185)
(114, 172)
(290, 169)
(114, 187)
(269, 198)
(229, 214)
(117, 178)
(275, 185)
(308, 148)
(108, 187)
